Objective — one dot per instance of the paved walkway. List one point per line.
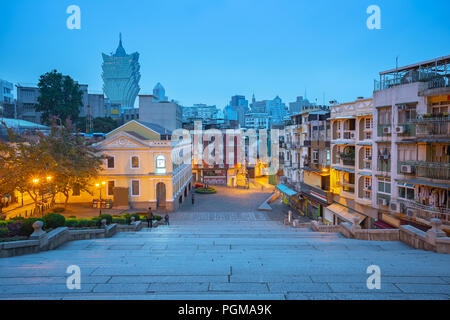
(227, 254)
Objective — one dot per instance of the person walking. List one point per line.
(166, 219)
(150, 218)
(193, 199)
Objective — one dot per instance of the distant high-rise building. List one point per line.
(159, 93)
(121, 77)
(7, 105)
(237, 108)
(298, 105)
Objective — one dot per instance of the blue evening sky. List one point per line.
(204, 51)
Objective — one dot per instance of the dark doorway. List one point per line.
(161, 195)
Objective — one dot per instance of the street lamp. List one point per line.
(41, 190)
(99, 186)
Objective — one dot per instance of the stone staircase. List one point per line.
(227, 259)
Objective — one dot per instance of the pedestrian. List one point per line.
(150, 218)
(166, 219)
(193, 199)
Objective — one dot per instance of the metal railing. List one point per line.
(433, 127)
(432, 170)
(384, 165)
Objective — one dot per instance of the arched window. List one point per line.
(160, 164)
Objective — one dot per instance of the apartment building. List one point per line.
(351, 163)
(306, 162)
(412, 144)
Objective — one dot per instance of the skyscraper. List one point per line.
(121, 77)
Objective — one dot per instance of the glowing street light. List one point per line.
(99, 186)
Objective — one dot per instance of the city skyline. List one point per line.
(294, 49)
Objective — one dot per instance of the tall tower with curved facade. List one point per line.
(121, 77)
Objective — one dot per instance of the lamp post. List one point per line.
(99, 186)
(41, 190)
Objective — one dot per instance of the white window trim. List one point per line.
(131, 188)
(406, 193)
(131, 162)
(385, 182)
(106, 160)
(165, 163)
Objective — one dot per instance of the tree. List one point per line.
(60, 96)
(105, 125)
(78, 163)
(67, 160)
(100, 124)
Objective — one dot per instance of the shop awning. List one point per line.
(367, 174)
(286, 190)
(343, 169)
(344, 213)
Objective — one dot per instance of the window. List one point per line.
(160, 164)
(367, 183)
(134, 187)
(368, 123)
(110, 162)
(111, 185)
(134, 162)
(384, 185)
(315, 156)
(368, 153)
(406, 193)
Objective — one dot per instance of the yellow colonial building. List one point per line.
(141, 169)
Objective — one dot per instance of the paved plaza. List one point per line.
(213, 252)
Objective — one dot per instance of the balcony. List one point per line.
(438, 127)
(384, 165)
(405, 130)
(431, 170)
(426, 212)
(384, 130)
(346, 186)
(349, 135)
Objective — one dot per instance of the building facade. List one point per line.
(351, 161)
(167, 114)
(306, 161)
(7, 103)
(411, 179)
(141, 169)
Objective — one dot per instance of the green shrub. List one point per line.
(119, 220)
(208, 190)
(4, 232)
(72, 217)
(54, 220)
(27, 226)
(106, 216)
(135, 215)
(3, 223)
(83, 223)
(72, 223)
(58, 209)
(156, 217)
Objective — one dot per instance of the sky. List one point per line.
(205, 51)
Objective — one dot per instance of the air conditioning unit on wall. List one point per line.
(410, 212)
(387, 130)
(406, 169)
(400, 129)
(394, 206)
